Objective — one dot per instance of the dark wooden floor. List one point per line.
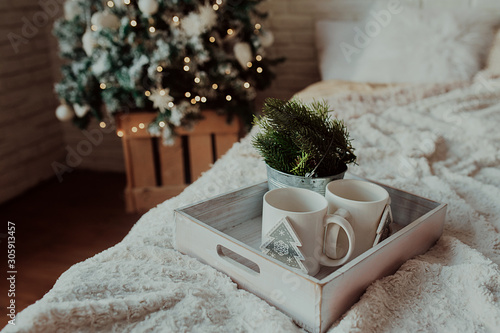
(58, 225)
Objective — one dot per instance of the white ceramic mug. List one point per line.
(307, 212)
(362, 204)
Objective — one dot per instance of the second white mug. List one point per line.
(362, 204)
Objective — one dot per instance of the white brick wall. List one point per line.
(30, 136)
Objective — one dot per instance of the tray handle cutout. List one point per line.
(237, 260)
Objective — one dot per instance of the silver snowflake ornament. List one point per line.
(281, 248)
(161, 99)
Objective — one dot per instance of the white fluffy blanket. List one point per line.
(439, 141)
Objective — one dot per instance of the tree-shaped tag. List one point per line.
(281, 243)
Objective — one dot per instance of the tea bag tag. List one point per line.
(281, 243)
(384, 223)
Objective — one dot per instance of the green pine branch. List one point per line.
(296, 138)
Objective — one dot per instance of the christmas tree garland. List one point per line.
(175, 57)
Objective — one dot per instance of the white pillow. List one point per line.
(422, 45)
(330, 36)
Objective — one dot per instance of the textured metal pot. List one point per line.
(278, 179)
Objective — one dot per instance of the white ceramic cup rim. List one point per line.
(379, 190)
(269, 196)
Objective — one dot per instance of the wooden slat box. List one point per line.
(225, 232)
(156, 172)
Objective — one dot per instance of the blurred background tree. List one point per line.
(175, 57)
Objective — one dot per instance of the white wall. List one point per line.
(30, 136)
(32, 140)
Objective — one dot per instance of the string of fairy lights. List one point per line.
(186, 68)
(201, 85)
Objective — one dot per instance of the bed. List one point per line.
(439, 140)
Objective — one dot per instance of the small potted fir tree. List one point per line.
(302, 145)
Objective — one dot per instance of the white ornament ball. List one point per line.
(243, 53)
(266, 38)
(89, 42)
(105, 20)
(80, 110)
(192, 25)
(64, 113)
(96, 19)
(119, 4)
(72, 9)
(148, 7)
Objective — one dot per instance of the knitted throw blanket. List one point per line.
(438, 141)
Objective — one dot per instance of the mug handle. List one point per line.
(339, 219)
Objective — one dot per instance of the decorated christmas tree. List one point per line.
(175, 57)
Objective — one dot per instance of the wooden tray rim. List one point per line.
(319, 282)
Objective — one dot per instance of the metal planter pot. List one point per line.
(278, 179)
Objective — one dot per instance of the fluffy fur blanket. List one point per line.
(438, 141)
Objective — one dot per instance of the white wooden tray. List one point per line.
(225, 232)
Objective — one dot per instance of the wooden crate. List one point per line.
(156, 172)
(225, 232)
